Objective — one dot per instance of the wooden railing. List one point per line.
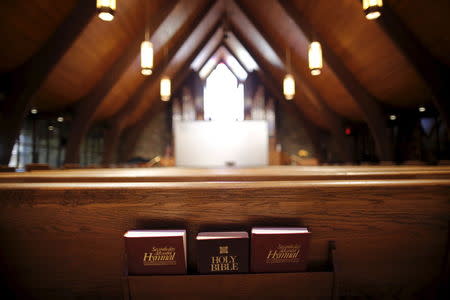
(274, 173)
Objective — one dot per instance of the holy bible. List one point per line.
(279, 249)
(156, 251)
(222, 252)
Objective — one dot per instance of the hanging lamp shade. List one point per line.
(315, 58)
(106, 9)
(289, 87)
(372, 8)
(165, 88)
(146, 58)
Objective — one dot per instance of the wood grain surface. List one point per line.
(313, 285)
(65, 239)
(272, 173)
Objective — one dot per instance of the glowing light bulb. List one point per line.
(106, 9)
(372, 8)
(289, 87)
(146, 58)
(165, 88)
(315, 58)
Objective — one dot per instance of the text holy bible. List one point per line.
(156, 251)
(283, 249)
(222, 252)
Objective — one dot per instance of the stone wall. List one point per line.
(291, 133)
(156, 136)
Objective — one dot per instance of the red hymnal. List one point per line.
(156, 251)
(279, 249)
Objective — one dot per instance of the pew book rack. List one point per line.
(317, 283)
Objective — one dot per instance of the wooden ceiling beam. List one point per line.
(335, 122)
(214, 53)
(372, 111)
(236, 57)
(435, 74)
(91, 103)
(210, 55)
(132, 133)
(227, 49)
(28, 78)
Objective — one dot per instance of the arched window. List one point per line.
(223, 96)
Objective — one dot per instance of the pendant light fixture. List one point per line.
(146, 48)
(165, 88)
(372, 8)
(165, 84)
(315, 58)
(288, 82)
(106, 9)
(146, 58)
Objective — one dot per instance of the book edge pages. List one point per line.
(222, 235)
(154, 233)
(279, 230)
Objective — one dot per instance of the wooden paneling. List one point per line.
(96, 49)
(65, 239)
(307, 285)
(370, 55)
(287, 35)
(25, 26)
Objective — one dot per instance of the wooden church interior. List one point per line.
(96, 101)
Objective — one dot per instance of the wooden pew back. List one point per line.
(65, 239)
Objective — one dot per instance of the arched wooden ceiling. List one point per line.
(372, 57)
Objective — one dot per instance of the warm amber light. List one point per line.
(106, 9)
(165, 88)
(303, 153)
(146, 58)
(289, 87)
(315, 58)
(372, 8)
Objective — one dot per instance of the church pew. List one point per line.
(232, 174)
(65, 239)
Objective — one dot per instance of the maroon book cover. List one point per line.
(155, 251)
(222, 252)
(280, 249)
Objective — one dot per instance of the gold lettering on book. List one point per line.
(284, 254)
(160, 256)
(224, 262)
